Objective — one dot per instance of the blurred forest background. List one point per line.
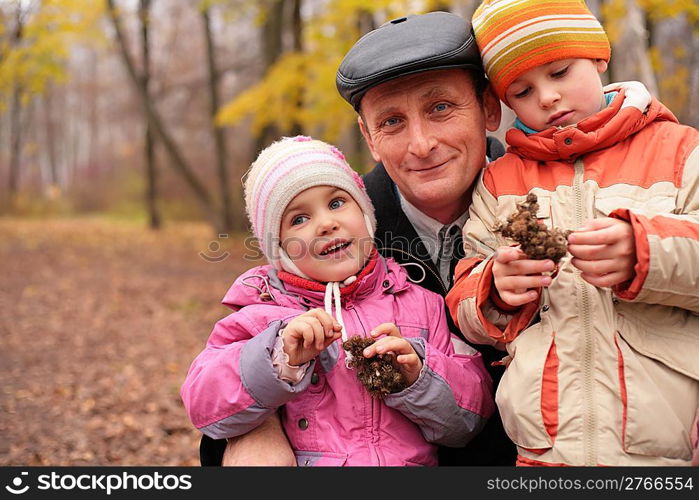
(125, 128)
(153, 109)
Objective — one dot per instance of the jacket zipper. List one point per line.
(376, 418)
(349, 306)
(587, 350)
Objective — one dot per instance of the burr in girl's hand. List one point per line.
(377, 374)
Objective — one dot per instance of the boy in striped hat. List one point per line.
(605, 347)
(281, 349)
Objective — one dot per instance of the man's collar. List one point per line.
(425, 224)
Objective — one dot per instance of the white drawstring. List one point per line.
(419, 266)
(338, 309)
(332, 291)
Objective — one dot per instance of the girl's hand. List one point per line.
(605, 251)
(517, 278)
(308, 334)
(407, 360)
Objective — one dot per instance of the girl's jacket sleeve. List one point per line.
(667, 246)
(231, 386)
(453, 396)
(473, 304)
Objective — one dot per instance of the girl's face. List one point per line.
(558, 94)
(324, 233)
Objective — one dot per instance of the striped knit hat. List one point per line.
(515, 36)
(285, 169)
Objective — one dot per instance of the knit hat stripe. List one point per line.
(496, 14)
(518, 13)
(276, 167)
(537, 54)
(278, 173)
(536, 40)
(548, 24)
(513, 16)
(492, 11)
(514, 36)
(284, 181)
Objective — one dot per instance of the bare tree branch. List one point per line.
(149, 142)
(177, 158)
(217, 132)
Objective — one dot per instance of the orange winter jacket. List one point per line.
(596, 376)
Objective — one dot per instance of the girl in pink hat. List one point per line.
(282, 350)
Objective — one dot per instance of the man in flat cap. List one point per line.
(424, 106)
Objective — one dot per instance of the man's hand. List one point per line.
(516, 278)
(308, 334)
(604, 250)
(407, 360)
(264, 445)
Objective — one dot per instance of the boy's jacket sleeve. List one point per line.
(470, 301)
(667, 248)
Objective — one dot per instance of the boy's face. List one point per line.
(558, 94)
(324, 233)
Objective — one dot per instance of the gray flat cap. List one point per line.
(403, 46)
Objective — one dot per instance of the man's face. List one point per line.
(428, 130)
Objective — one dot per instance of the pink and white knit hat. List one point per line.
(285, 169)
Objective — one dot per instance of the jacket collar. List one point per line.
(265, 286)
(631, 110)
(291, 280)
(395, 235)
(378, 277)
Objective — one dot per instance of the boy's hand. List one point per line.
(515, 276)
(308, 334)
(407, 360)
(604, 250)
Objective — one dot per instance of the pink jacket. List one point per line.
(328, 416)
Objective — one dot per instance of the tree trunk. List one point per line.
(595, 8)
(228, 201)
(93, 134)
(673, 39)
(15, 143)
(297, 37)
(444, 6)
(154, 218)
(630, 59)
(271, 34)
(466, 9)
(50, 136)
(693, 107)
(15, 117)
(365, 24)
(177, 159)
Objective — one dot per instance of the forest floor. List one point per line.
(99, 322)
